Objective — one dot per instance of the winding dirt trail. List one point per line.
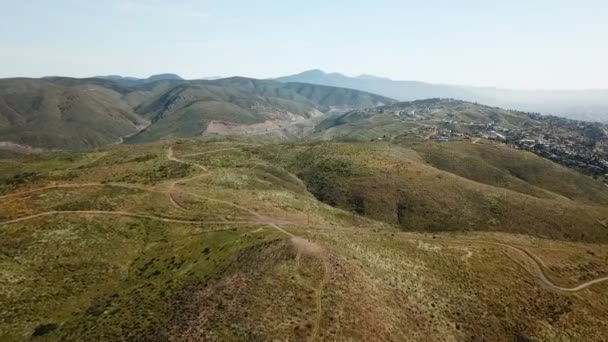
(539, 267)
(537, 264)
(172, 184)
(176, 204)
(208, 152)
(118, 213)
(83, 185)
(171, 157)
(302, 246)
(319, 301)
(533, 260)
(51, 187)
(314, 250)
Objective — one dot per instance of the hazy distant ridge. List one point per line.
(576, 104)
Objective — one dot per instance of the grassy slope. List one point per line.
(185, 110)
(394, 184)
(505, 167)
(44, 114)
(86, 277)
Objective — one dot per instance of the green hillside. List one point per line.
(395, 184)
(68, 113)
(39, 113)
(185, 110)
(178, 240)
(505, 167)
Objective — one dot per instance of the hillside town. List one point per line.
(576, 144)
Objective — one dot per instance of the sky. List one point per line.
(526, 44)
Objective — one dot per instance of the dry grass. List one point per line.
(336, 276)
(392, 184)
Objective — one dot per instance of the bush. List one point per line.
(20, 178)
(326, 178)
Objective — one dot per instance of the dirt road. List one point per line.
(118, 213)
(533, 260)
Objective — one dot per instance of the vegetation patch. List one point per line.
(325, 177)
(163, 172)
(13, 181)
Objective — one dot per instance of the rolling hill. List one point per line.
(575, 104)
(241, 105)
(454, 186)
(44, 114)
(68, 113)
(177, 240)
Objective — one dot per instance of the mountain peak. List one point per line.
(313, 72)
(164, 77)
(372, 78)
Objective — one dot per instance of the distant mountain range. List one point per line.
(591, 105)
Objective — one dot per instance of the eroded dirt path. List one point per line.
(537, 264)
(212, 151)
(51, 187)
(302, 246)
(172, 184)
(311, 249)
(171, 157)
(118, 213)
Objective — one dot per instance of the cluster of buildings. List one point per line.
(576, 144)
(572, 144)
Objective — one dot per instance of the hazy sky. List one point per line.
(516, 43)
